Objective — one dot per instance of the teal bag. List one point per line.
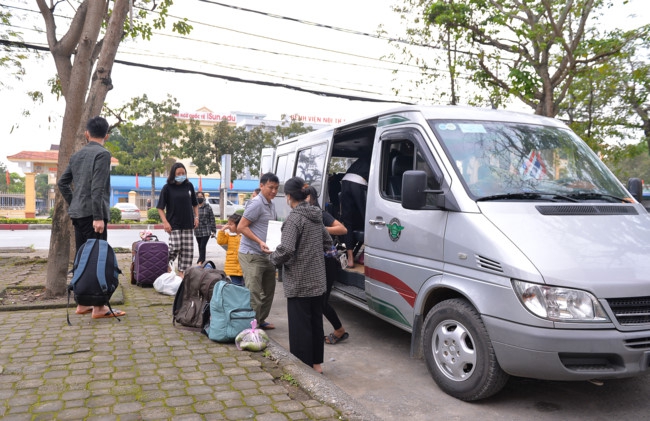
(230, 312)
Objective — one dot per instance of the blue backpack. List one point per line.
(95, 274)
(230, 312)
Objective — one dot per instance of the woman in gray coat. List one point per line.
(303, 241)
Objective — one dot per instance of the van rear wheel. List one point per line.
(459, 353)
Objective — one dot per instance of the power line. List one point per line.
(295, 77)
(225, 77)
(295, 44)
(424, 72)
(321, 25)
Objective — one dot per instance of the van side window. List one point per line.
(283, 171)
(398, 157)
(311, 164)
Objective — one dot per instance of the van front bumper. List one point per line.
(568, 354)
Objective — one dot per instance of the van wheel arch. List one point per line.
(458, 351)
(435, 296)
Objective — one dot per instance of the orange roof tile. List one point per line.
(47, 156)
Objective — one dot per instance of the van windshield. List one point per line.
(498, 160)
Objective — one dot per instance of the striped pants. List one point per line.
(181, 245)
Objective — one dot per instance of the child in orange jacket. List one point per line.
(229, 236)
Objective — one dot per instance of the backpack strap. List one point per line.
(102, 256)
(80, 262)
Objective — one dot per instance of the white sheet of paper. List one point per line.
(273, 234)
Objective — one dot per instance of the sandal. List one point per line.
(108, 314)
(86, 311)
(267, 326)
(332, 339)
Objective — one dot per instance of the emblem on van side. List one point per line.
(394, 229)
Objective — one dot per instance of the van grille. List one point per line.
(489, 264)
(587, 210)
(631, 311)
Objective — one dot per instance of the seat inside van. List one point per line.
(400, 164)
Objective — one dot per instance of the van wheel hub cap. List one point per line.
(453, 350)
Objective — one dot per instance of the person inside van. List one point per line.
(332, 267)
(354, 188)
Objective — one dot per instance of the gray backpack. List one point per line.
(194, 294)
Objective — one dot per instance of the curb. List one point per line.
(17, 227)
(116, 299)
(319, 386)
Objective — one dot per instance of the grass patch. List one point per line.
(289, 379)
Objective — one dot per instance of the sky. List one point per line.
(243, 44)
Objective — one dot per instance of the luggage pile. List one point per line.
(205, 300)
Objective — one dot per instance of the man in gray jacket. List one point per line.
(89, 200)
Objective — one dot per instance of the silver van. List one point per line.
(498, 239)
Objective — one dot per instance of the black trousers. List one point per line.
(306, 337)
(353, 210)
(332, 267)
(83, 230)
(202, 242)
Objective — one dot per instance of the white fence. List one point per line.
(12, 201)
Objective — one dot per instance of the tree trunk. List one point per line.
(59, 253)
(75, 79)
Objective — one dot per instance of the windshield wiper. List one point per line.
(592, 195)
(528, 196)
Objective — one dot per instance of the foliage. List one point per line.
(629, 161)
(608, 104)
(206, 148)
(245, 147)
(288, 128)
(528, 50)
(16, 182)
(258, 138)
(10, 58)
(144, 141)
(42, 186)
(116, 216)
(153, 215)
(3, 177)
(31, 221)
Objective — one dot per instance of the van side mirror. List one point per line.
(414, 189)
(635, 187)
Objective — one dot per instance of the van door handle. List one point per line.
(377, 222)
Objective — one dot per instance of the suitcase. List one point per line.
(150, 259)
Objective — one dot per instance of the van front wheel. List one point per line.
(459, 353)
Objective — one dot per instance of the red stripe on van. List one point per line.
(386, 278)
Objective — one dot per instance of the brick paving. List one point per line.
(141, 368)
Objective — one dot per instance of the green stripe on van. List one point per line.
(386, 309)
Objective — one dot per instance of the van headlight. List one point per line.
(559, 304)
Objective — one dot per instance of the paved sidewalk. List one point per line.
(144, 368)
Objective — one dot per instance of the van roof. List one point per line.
(443, 112)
